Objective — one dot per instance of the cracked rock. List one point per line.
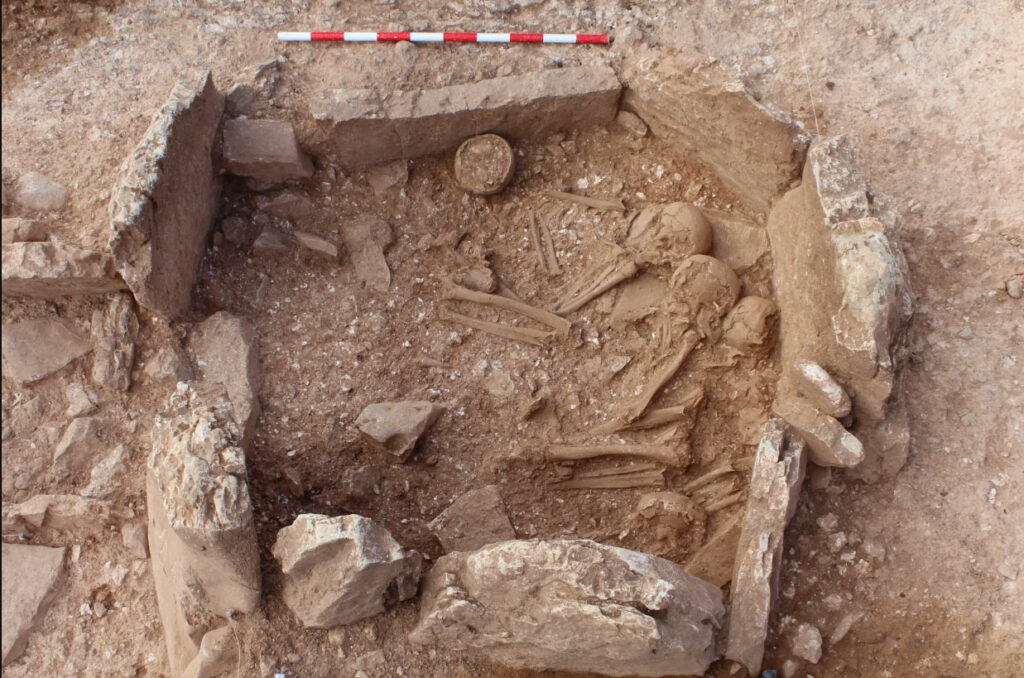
(475, 519)
(396, 427)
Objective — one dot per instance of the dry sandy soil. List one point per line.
(929, 562)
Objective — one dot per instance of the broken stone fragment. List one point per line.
(33, 349)
(166, 197)
(814, 383)
(806, 643)
(631, 123)
(134, 539)
(571, 605)
(271, 241)
(169, 362)
(366, 238)
(715, 560)
(484, 164)
(738, 241)
(361, 127)
(671, 520)
(50, 270)
(104, 481)
(290, 205)
(79, 446)
(342, 569)
(29, 576)
(114, 331)
(479, 278)
(829, 442)
(316, 244)
(750, 325)
(22, 230)
(392, 174)
(266, 150)
(202, 539)
(80, 400)
(218, 655)
(64, 512)
(37, 192)
(226, 352)
(396, 427)
(236, 231)
(475, 519)
(775, 482)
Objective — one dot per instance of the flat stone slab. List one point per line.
(34, 349)
(50, 270)
(29, 575)
(264, 149)
(571, 605)
(363, 127)
(475, 519)
(158, 251)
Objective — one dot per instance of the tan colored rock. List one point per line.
(202, 538)
(475, 519)
(34, 349)
(738, 241)
(50, 270)
(750, 325)
(114, 331)
(34, 191)
(272, 242)
(813, 382)
(266, 150)
(158, 250)
(715, 560)
(829, 442)
(64, 512)
(105, 479)
(290, 205)
(836, 266)
(358, 128)
(366, 238)
(22, 230)
(774, 491)
(226, 351)
(392, 174)
(135, 539)
(316, 244)
(754, 150)
(342, 569)
(396, 427)
(80, 445)
(218, 655)
(29, 576)
(81, 401)
(667, 521)
(571, 605)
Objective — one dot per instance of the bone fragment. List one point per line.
(662, 453)
(459, 293)
(603, 204)
(544, 245)
(655, 418)
(594, 285)
(661, 379)
(707, 478)
(613, 482)
(724, 502)
(523, 334)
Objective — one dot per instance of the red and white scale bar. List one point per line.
(350, 36)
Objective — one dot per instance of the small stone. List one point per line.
(408, 53)
(264, 149)
(65, 512)
(29, 575)
(290, 205)
(484, 164)
(818, 386)
(22, 230)
(34, 349)
(828, 522)
(475, 519)
(394, 174)
(479, 278)
(105, 479)
(236, 230)
(271, 241)
(806, 643)
(499, 384)
(134, 537)
(790, 668)
(168, 363)
(37, 192)
(750, 325)
(396, 427)
(366, 238)
(80, 445)
(843, 628)
(874, 549)
(80, 401)
(316, 244)
(632, 123)
(829, 442)
(342, 569)
(1015, 285)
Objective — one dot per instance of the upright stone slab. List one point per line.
(844, 300)
(165, 200)
(702, 112)
(358, 128)
(202, 539)
(114, 331)
(775, 484)
(264, 149)
(571, 605)
(50, 270)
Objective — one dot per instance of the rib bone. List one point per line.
(459, 293)
(661, 379)
(662, 453)
(595, 203)
(523, 334)
(596, 281)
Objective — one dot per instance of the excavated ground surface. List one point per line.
(937, 123)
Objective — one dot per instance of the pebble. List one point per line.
(1015, 285)
(806, 643)
(828, 522)
(37, 192)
